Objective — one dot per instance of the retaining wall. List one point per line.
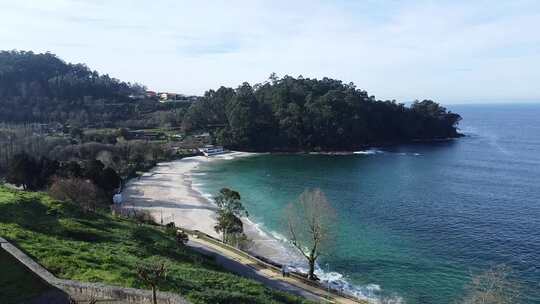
(98, 291)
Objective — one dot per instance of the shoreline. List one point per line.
(167, 191)
(168, 194)
(366, 147)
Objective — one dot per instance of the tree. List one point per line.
(152, 271)
(230, 209)
(494, 286)
(181, 238)
(124, 133)
(76, 132)
(21, 171)
(310, 114)
(229, 201)
(229, 225)
(309, 220)
(70, 169)
(109, 180)
(104, 177)
(241, 115)
(93, 169)
(47, 168)
(82, 192)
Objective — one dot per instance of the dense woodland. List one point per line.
(41, 88)
(294, 114)
(30, 157)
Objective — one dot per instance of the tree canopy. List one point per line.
(43, 88)
(230, 209)
(309, 114)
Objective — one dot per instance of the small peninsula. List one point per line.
(303, 114)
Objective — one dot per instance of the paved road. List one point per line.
(270, 277)
(249, 272)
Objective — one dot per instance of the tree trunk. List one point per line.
(154, 298)
(224, 236)
(311, 274)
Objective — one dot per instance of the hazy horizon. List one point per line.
(452, 52)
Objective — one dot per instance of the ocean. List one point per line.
(414, 222)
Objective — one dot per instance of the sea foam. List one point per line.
(369, 152)
(372, 293)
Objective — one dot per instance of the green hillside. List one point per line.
(98, 247)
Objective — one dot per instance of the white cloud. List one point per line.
(449, 51)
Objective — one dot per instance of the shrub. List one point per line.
(170, 229)
(143, 217)
(151, 272)
(181, 238)
(82, 192)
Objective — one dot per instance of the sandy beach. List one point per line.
(167, 193)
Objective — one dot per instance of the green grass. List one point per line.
(99, 247)
(18, 284)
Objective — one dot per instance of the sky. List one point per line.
(448, 51)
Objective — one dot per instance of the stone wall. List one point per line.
(98, 291)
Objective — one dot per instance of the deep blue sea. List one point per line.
(415, 221)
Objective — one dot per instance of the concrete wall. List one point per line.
(98, 291)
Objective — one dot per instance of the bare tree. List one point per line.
(492, 287)
(152, 272)
(309, 219)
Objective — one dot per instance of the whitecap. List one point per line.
(369, 152)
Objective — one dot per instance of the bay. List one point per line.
(415, 221)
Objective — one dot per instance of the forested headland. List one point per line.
(67, 115)
(293, 114)
(288, 113)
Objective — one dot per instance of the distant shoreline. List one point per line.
(359, 148)
(351, 151)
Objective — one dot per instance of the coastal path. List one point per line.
(242, 263)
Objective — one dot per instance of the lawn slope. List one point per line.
(98, 247)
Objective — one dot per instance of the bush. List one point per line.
(82, 192)
(170, 229)
(182, 238)
(143, 217)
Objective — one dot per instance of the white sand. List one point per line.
(167, 193)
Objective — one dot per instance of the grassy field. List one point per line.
(17, 284)
(99, 247)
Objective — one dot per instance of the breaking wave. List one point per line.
(369, 152)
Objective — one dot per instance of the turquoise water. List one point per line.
(416, 220)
